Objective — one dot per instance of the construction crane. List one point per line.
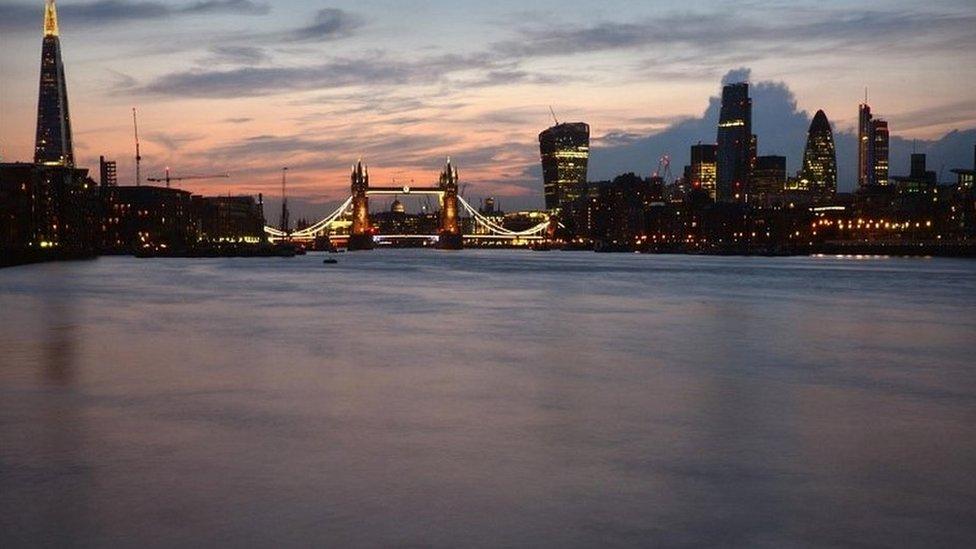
(135, 127)
(664, 169)
(168, 178)
(553, 112)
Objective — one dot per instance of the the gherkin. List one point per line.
(820, 157)
(53, 145)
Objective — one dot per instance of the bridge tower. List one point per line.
(361, 236)
(450, 237)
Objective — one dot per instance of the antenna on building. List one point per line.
(553, 112)
(135, 127)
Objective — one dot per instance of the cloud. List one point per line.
(18, 17)
(237, 55)
(782, 129)
(752, 31)
(330, 24)
(337, 73)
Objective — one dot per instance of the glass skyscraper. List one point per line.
(565, 150)
(734, 156)
(872, 149)
(53, 145)
(820, 157)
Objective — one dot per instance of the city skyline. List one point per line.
(430, 107)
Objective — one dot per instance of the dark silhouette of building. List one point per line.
(49, 206)
(108, 172)
(768, 179)
(146, 217)
(53, 145)
(565, 151)
(702, 169)
(864, 140)
(734, 151)
(820, 158)
(234, 219)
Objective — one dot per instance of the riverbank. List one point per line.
(29, 256)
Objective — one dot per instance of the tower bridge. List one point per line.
(363, 235)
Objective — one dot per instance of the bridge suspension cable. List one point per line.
(493, 228)
(312, 230)
(502, 231)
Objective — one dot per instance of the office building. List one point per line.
(768, 179)
(53, 146)
(702, 170)
(565, 151)
(820, 158)
(735, 144)
(872, 151)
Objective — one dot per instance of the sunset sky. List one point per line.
(247, 87)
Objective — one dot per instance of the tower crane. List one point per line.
(168, 178)
(135, 127)
(664, 169)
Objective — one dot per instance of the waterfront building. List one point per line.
(146, 216)
(565, 152)
(735, 144)
(238, 219)
(820, 158)
(702, 170)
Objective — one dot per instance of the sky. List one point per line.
(250, 86)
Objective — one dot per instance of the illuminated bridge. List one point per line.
(363, 236)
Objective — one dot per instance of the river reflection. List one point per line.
(488, 399)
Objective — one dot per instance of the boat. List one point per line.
(330, 261)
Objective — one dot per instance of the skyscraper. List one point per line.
(565, 150)
(872, 151)
(820, 157)
(879, 152)
(702, 169)
(733, 156)
(53, 145)
(864, 144)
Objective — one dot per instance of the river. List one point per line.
(489, 399)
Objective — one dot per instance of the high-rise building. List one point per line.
(565, 150)
(768, 179)
(864, 144)
(872, 151)
(879, 152)
(53, 144)
(820, 158)
(702, 169)
(108, 172)
(733, 155)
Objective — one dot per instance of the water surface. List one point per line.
(489, 398)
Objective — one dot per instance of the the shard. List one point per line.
(53, 145)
